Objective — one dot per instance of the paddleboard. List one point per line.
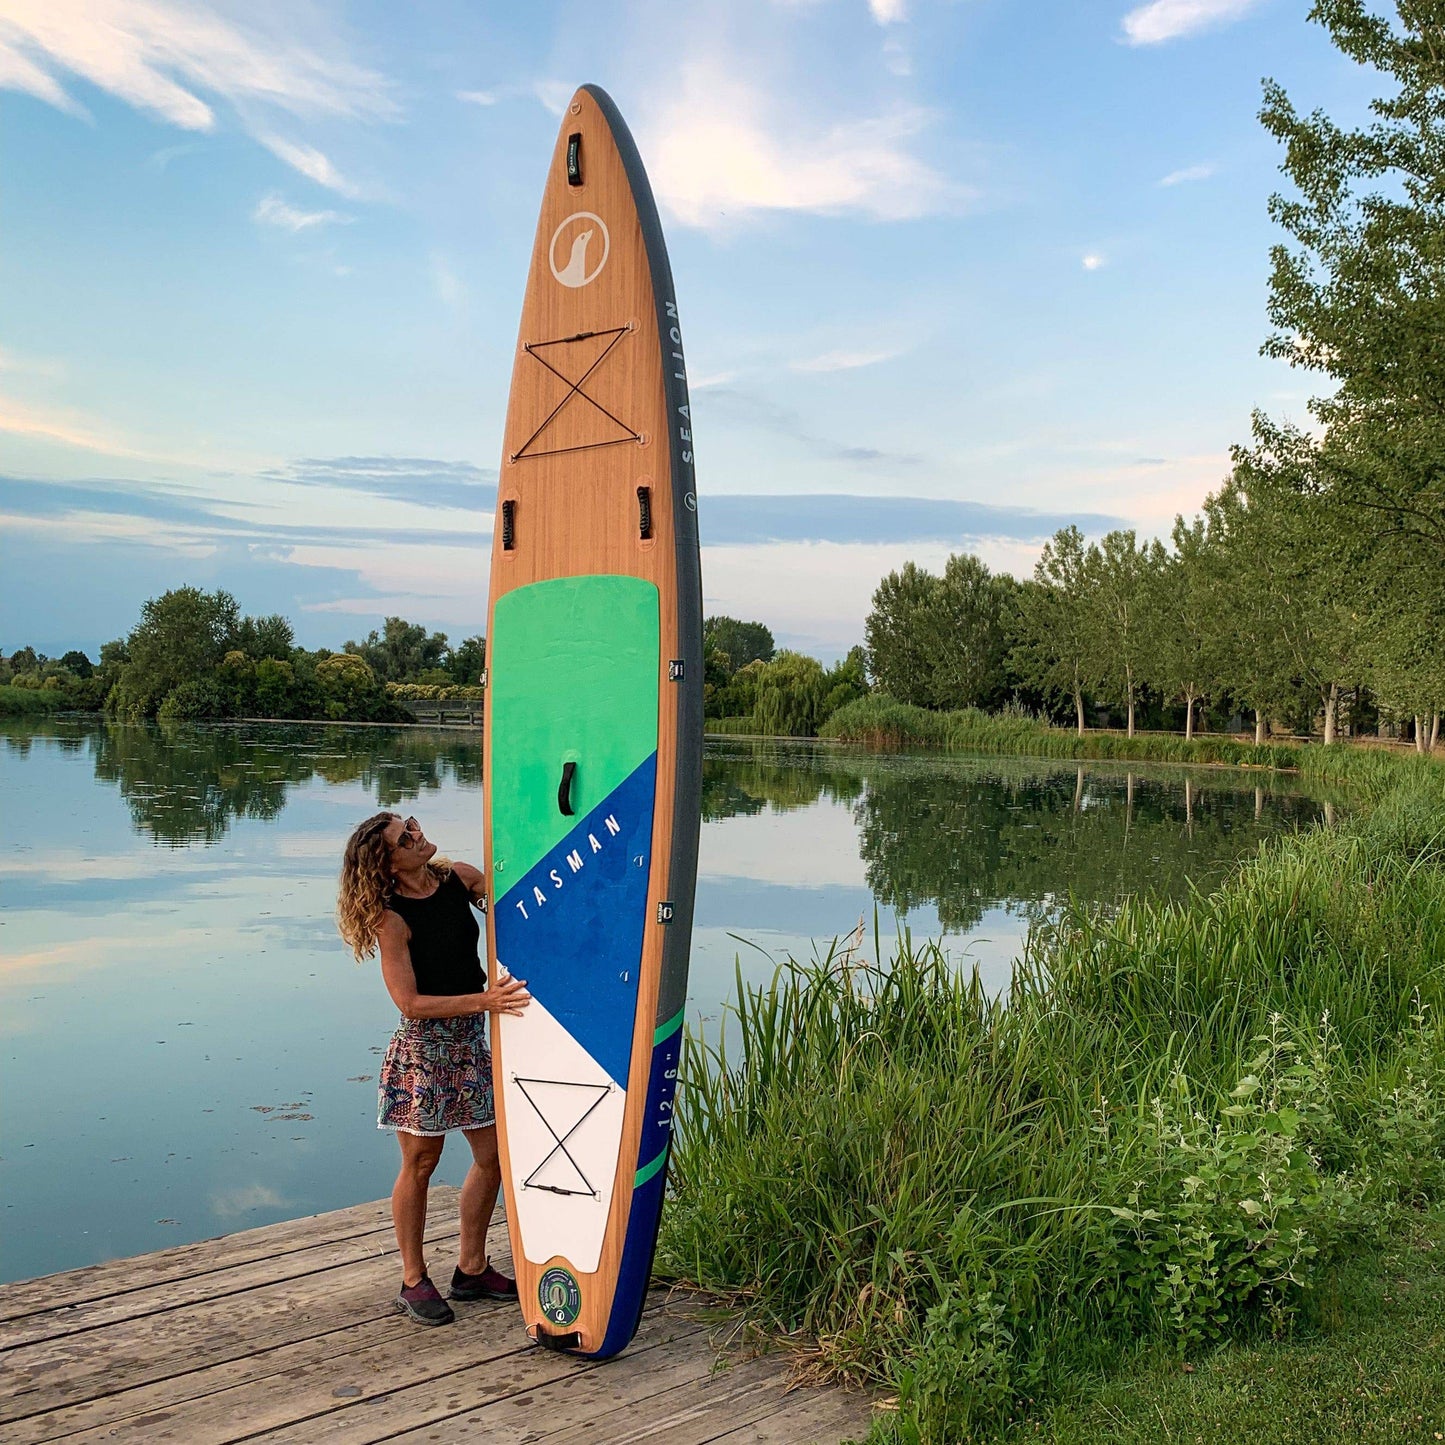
(593, 743)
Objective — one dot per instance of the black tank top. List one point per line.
(444, 936)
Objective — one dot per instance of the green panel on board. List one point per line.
(573, 667)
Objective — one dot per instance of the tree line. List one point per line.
(1310, 589)
(194, 656)
(1261, 606)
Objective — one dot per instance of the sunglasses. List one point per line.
(407, 829)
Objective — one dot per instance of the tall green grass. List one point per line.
(29, 702)
(880, 722)
(1175, 1124)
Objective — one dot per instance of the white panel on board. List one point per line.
(564, 1130)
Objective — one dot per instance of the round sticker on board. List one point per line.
(559, 1296)
(579, 249)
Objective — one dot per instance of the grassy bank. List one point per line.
(878, 721)
(1180, 1126)
(1367, 1370)
(29, 702)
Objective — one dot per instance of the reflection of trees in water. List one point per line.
(185, 784)
(965, 837)
(969, 840)
(750, 774)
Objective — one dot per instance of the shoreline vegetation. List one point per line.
(1187, 1130)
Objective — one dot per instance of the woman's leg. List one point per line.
(419, 1158)
(479, 1198)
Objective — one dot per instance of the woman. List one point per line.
(437, 1074)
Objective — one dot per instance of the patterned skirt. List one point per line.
(437, 1075)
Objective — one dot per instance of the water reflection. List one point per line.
(962, 836)
(186, 784)
(190, 1049)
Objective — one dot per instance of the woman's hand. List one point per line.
(507, 996)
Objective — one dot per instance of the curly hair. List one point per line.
(366, 883)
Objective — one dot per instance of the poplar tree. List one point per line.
(1188, 608)
(1118, 573)
(1358, 293)
(1057, 623)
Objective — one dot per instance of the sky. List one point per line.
(952, 274)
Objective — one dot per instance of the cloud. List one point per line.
(69, 428)
(479, 97)
(759, 411)
(554, 94)
(160, 160)
(273, 211)
(844, 520)
(723, 150)
(310, 162)
(888, 12)
(448, 285)
(845, 360)
(896, 57)
(1201, 172)
(157, 54)
(1162, 20)
(17, 72)
(421, 481)
(174, 60)
(1093, 261)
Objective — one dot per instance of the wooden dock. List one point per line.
(288, 1333)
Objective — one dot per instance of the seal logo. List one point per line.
(559, 1296)
(579, 249)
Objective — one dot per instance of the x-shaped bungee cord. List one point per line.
(574, 388)
(561, 1139)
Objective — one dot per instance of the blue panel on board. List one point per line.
(573, 925)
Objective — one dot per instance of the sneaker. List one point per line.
(422, 1302)
(486, 1285)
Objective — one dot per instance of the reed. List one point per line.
(29, 702)
(1179, 1120)
(879, 721)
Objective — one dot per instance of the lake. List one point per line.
(187, 1048)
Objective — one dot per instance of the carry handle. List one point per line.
(564, 789)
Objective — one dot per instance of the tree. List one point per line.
(790, 695)
(78, 663)
(260, 637)
(743, 642)
(1188, 610)
(1118, 570)
(843, 683)
(962, 627)
(1056, 622)
(401, 651)
(1360, 293)
(896, 633)
(350, 690)
(467, 661)
(181, 637)
(1255, 661)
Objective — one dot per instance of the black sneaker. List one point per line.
(422, 1302)
(486, 1285)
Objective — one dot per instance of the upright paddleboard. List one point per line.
(593, 750)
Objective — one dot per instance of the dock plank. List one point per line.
(288, 1333)
(146, 1347)
(182, 1261)
(524, 1370)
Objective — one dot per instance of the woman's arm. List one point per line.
(474, 881)
(509, 996)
